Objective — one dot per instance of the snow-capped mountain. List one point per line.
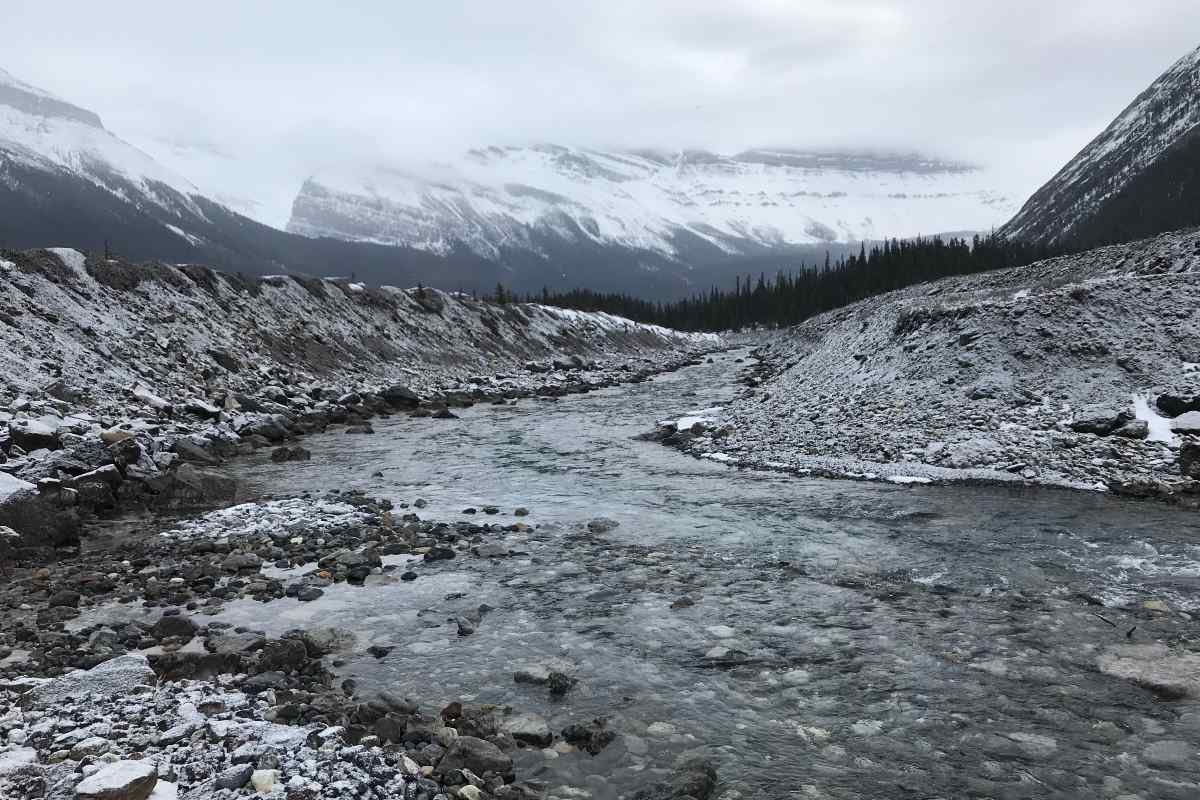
(67, 181)
(501, 200)
(1139, 177)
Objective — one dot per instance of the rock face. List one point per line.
(1136, 179)
(1027, 374)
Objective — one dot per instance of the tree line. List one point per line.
(803, 290)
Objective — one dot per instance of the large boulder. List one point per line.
(33, 434)
(41, 518)
(190, 485)
(477, 755)
(1099, 420)
(120, 780)
(114, 678)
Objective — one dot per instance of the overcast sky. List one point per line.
(247, 98)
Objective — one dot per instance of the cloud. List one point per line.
(273, 91)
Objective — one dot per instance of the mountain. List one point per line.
(66, 180)
(1141, 176)
(676, 212)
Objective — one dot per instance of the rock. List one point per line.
(193, 485)
(592, 738)
(1174, 405)
(602, 525)
(234, 777)
(32, 434)
(490, 550)
(175, 626)
(114, 435)
(521, 511)
(477, 755)
(89, 748)
(694, 779)
(1189, 459)
(323, 640)
(142, 393)
(121, 780)
(239, 562)
(363, 428)
(1187, 423)
(529, 728)
(236, 643)
(64, 598)
(190, 451)
(465, 626)
(282, 454)
(40, 517)
(1099, 420)
(284, 655)
(560, 683)
(400, 396)
(1154, 667)
(116, 677)
(1134, 429)
(201, 408)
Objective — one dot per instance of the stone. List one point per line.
(1154, 667)
(1134, 429)
(115, 677)
(174, 626)
(284, 655)
(1099, 420)
(32, 434)
(1189, 459)
(121, 780)
(477, 755)
(283, 454)
(234, 777)
(1187, 423)
(529, 728)
(400, 396)
(1174, 405)
(323, 640)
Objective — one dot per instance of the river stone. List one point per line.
(174, 626)
(477, 755)
(110, 679)
(234, 777)
(121, 780)
(602, 525)
(529, 728)
(1154, 667)
(325, 639)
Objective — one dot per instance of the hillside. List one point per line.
(1139, 177)
(1063, 372)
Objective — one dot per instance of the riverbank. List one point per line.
(130, 383)
(1077, 372)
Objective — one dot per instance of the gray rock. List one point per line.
(1171, 754)
(234, 777)
(323, 640)
(529, 728)
(113, 678)
(602, 525)
(477, 755)
(1187, 423)
(174, 626)
(1099, 420)
(121, 780)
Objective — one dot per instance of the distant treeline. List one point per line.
(794, 295)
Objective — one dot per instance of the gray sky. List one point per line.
(250, 97)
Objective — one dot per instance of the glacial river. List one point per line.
(846, 640)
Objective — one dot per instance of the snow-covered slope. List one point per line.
(41, 131)
(498, 200)
(1123, 166)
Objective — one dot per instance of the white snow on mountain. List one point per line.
(497, 197)
(1143, 132)
(43, 132)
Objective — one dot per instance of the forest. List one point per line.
(803, 290)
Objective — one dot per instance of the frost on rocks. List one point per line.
(1053, 373)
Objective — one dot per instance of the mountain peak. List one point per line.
(36, 102)
(1145, 155)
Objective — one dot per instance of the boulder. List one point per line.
(285, 453)
(33, 434)
(477, 755)
(175, 626)
(194, 453)
(1187, 423)
(43, 519)
(1099, 420)
(1134, 429)
(1189, 458)
(323, 640)
(120, 780)
(192, 485)
(1174, 405)
(284, 655)
(113, 678)
(529, 728)
(400, 396)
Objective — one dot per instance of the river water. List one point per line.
(847, 640)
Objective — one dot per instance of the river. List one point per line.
(846, 639)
